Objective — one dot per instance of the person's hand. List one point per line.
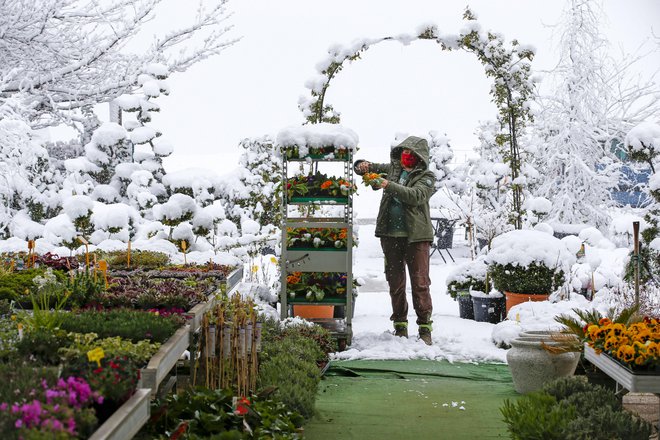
(383, 183)
(363, 167)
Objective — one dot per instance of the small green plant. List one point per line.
(145, 260)
(290, 365)
(132, 325)
(47, 294)
(42, 345)
(571, 408)
(83, 286)
(139, 352)
(17, 285)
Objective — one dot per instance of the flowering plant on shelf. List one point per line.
(635, 345)
(320, 238)
(318, 185)
(314, 286)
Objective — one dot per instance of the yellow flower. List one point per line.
(273, 260)
(626, 353)
(13, 317)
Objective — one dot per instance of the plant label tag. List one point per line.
(96, 355)
(183, 245)
(83, 240)
(491, 309)
(30, 244)
(103, 265)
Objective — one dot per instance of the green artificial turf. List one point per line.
(411, 400)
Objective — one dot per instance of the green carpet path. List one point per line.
(415, 399)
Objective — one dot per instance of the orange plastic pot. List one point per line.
(311, 312)
(513, 299)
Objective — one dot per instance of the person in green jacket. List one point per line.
(405, 230)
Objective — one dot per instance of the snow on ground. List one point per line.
(454, 339)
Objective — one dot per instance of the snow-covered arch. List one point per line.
(508, 67)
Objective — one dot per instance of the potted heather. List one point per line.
(528, 265)
(467, 277)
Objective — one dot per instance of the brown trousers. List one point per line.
(399, 254)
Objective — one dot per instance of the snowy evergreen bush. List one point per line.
(526, 261)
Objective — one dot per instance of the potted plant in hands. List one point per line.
(465, 278)
(528, 265)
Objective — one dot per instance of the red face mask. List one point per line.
(409, 160)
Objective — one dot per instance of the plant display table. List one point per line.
(634, 382)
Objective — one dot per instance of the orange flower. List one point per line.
(327, 184)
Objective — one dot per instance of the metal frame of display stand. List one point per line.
(294, 260)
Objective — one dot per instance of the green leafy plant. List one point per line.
(144, 260)
(17, 285)
(570, 408)
(82, 286)
(536, 278)
(133, 325)
(472, 275)
(115, 378)
(139, 352)
(42, 345)
(47, 293)
(290, 365)
(205, 413)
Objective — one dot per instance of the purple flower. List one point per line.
(3, 406)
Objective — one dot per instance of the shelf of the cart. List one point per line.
(338, 329)
(318, 201)
(318, 158)
(318, 222)
(317, 261)
(328, 300)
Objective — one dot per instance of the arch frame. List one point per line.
(509, 68)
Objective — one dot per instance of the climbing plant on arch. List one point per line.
(508, 67)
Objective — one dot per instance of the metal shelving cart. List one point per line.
(320, 260)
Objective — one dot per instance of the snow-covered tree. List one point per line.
(587, 112)
(441, 154)
(643, 143)
(26, 178)
(62, 55)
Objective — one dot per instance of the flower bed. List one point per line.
(635, 346)
(326, 152)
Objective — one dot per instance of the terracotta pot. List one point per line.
(311, 312)
(513, 299)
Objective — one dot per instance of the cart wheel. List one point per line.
(341, 344)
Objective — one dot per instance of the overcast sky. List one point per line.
(252, 88)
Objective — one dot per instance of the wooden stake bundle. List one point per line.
(230, 339)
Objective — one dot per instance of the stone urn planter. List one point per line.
(534, 361)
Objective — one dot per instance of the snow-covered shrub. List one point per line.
(107, 149)
(526, 261)
(179, 208)
(80, 209)
(61, 231)
(117, 220)
(467, 276)
(197, 183)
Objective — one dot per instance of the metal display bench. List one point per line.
(320, 260)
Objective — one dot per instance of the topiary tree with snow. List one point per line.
(79, 209)
(115, 221)
(108, 148)
(178, 209)
(643, 143)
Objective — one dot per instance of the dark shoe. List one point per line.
(401, 329)
(425, 333)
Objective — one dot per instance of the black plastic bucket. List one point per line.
(489, 309)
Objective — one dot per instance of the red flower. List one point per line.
(242, 406)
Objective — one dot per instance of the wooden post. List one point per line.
(636, 260)
(86, 243)
(128, 255)
(184, 245)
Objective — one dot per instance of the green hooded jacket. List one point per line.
(414, 195)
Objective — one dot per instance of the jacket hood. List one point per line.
(419, 146)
